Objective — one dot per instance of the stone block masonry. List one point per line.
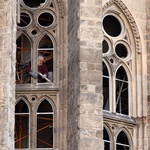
(85, 120)
(7, 73)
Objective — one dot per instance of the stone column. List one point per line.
(85, 120)
(148, 69)
(7, 73)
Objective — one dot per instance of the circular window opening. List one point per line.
(112, 60)
(111, 25)
(45, 19)
(24, 20)
(121, 50)
(34, 32)
(34, 3)
(105, 46)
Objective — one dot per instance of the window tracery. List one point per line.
(116, 52)
(25, 123)
(38, 20)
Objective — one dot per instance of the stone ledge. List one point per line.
(119, 117)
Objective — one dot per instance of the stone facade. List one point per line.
(77, 94)
(84, 59)
(7, 73)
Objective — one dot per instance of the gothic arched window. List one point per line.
(116, 52)
(36, 47)
(121, 91)
(105, 87)
(23, 57)
(122, 142)
(45, 125)
(106, 140)
(22, 127)
(35, 128)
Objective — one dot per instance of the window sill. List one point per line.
(119, 117)
(41, 87)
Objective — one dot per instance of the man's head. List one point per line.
(40, 60)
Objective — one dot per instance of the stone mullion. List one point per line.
(7, 73)
(90, 118)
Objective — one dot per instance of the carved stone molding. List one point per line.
(130, 18)
(61, 8)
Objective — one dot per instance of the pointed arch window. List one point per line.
(22, 125)
(106, 140)
(105, 87)
(23, 57)
(39, 31)
(46, 49)
(122, 91)
(45, 130)
(122, 142)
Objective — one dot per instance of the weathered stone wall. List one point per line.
(148, 66)
(7, 72)
(85, 120)
(73, 74)
(91, 102)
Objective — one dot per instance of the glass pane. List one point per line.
(45, 106)
(23, 57)
(44, 131)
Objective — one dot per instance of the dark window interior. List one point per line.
(105, 87)
(121, 50)
(122, 142)
(111, 25)
(106, 140)
(45, 125)
(21, 125)
(121, 91)
(34, 3)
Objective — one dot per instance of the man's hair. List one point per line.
(41, 56)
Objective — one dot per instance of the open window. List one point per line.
(122, 91)
(122, 142)
(23, 57)
(45, 130)
(22, 133)
(46, 48)
(106, 140)
(105, 87)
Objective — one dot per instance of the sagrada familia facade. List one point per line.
(74, 75)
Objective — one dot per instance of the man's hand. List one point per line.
(33, 74)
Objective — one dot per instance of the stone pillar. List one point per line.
(85, 120)
(148, 69)
(7, 73)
